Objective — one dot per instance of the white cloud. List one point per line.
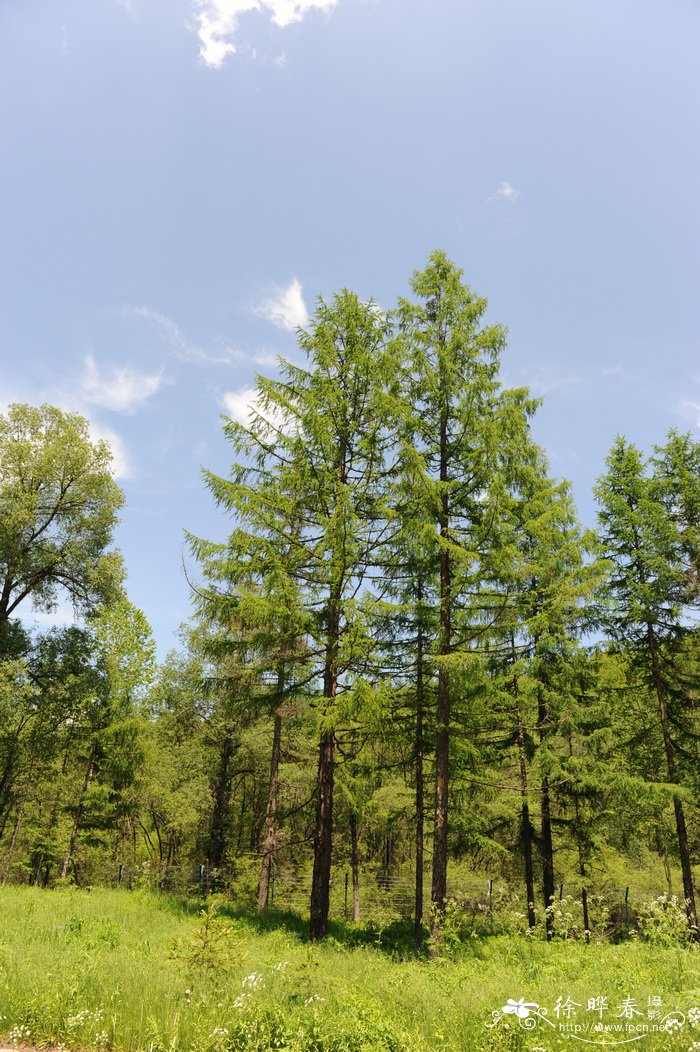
(242, 406)
(122, 389)
(217, 22)
(121, 469)
(286, 308)
(507, 192)
(71, 402)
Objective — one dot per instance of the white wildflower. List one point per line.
(253, 981)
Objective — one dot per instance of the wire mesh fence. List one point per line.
(478, 906)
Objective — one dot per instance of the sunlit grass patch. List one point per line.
(110, 969)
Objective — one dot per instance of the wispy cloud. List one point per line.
(286, 308)
(217, 22)
(120, 389)
(691, 411)
(176, 345)
(129, 8)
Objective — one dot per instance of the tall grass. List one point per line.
(137, 971)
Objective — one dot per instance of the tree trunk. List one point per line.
(547, 859)
(525, 826)
(546, 813)
(271, 816)
(323, 834)
(15, 833)
(442, 744)
(420, 803)
(355, 865)
(89, 772)
(582, 867)
(323, 838)
(683, 848)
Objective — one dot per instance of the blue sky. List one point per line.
(181, 179)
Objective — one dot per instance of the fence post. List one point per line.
(201, 880)
(121, 872)
(346, 895)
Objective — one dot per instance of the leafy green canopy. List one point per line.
(58, 509)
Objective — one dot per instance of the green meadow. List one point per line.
(108, 969)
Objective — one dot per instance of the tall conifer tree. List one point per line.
(649, 587)
(461, 435)
(307, 493)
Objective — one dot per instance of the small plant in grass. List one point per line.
(213, 947)
(20, 1035)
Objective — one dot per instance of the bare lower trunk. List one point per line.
(547, 859)
(323, 834)
(420, 803)
(439, 882)
(546, 817)
(525, 825)
(681, 829)
(582, 870)
(15, 833)
(271, 818)
(355, 864)
(323, 839)
(89, 772)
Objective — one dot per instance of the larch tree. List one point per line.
(461, 435)
(648, 594)
(307, 494)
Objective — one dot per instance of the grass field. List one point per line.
(105, 969)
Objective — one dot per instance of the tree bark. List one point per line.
(442, 744)
(681, 829)
(271, 815)
(355, 866)
(546, 816)
(420, 802)
(582, 868)
(320, 881)
(323, 834)
(525, 826)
